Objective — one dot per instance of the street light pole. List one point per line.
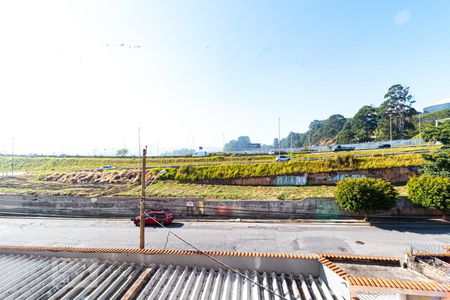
(142, 202)
(139, 141)
(291, 144)
(279, 137)
(12, 156)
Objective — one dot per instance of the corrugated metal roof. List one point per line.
(36, 277)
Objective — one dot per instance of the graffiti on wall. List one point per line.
(343, 176)
(291, 180)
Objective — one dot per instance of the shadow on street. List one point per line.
(415, 226)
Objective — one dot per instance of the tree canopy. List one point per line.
(122, 152)
(438, 162)
(368, 124)
(364, 123)
(440, 133)
(243, 142)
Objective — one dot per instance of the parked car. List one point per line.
(200, 153)
(162, 216)
(342, 148)
(108, 167)
(384, 146)
(281, 158)
(274, 151)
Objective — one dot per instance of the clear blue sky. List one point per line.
(83, 75)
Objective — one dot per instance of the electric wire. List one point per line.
(220, 262)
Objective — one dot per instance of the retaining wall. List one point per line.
(394, 175)
(127, 207)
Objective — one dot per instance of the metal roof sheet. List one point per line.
(37, 277)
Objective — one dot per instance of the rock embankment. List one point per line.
(86, 177)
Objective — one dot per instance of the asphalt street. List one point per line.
(383, 239)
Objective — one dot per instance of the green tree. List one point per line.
(441, 133)
(364, 123)
(313, 132)
(326, 129)
(122, 152)
(242, 142)
(431, 192)
(276, 143)
(398, 107)
(438, 162)
(293, 137)
(366, 194)
(346, 135)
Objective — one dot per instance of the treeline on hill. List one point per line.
(370, 123)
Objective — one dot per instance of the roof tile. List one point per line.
(395, 283)
(156, 251)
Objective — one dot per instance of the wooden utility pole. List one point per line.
(142, 202)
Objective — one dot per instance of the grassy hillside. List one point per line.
(211, 192)
(26, 186)
(338, 163)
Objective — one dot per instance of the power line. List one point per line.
(219, 262)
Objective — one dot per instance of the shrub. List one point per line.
(438, 162)
(169, 175)
(345, 160)
(430, 192)
(187, 172)
(367, 194)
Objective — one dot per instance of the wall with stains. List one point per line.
(316, 208)
(394, 175)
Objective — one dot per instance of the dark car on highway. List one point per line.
(384, 146)
(342, 148)
(163, 216)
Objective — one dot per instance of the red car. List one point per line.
(162, 216)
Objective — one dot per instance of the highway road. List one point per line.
(383, 239)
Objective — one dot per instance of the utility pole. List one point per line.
(223, 142)
(420, 128)
(390, 126)
(139, 141)
(142, 202)
(12, 156)
(279, 137)
(291, 142)
(193, 143)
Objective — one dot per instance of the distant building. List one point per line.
(200, 153)
(437, 107)
(254, 146)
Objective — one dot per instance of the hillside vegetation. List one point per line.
(55, 164)
(338, 163)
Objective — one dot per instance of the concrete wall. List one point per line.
(394, 175)
(340, 285)
(318, 208)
